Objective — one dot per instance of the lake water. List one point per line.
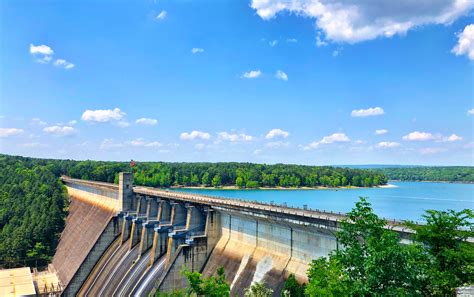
(404, 201)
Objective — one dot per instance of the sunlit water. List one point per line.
(405, 201)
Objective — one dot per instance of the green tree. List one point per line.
(326, 278)
(216, 181)
(239, 182)
(292, 288)
(451, 261)
(213, 286)
(258, 290)
(205, 179)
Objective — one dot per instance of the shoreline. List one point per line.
(433, 181)
(235, 188)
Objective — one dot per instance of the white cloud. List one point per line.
(432, 150)
(71, 123)
(419, 136)
(123, 124)
(161, 16)
(37, 121)
(292, 40)
(196, 50)
(277, 144)
(373, 111)
(273, 43)
(41, 50)
(102, 115)
(277, 133)
(147, 121)
(7, 132)
(465, 45)
(195, 135)
(234, 137)
(281, 75)
(387, 144)
(452, 138)
(470, 111)
(109, 143)
(63, 64)
(60, 130)
(252, 74)
(143, 143)
(381, 132)
(359, 20)
(200, 146)
(333, 138)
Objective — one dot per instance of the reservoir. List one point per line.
(400, 200)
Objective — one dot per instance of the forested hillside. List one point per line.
(449, 174)
(32, 210)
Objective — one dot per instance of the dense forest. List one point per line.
(32, 210)
(448, 174)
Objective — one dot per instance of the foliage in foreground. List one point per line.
(374, 263)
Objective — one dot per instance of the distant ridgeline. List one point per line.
(447, 174)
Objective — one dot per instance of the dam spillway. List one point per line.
(125, 240)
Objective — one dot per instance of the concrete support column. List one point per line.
(178, 214)
(142, 205)
(125, 195)
(164, 211)
(135, 232)
(152, 208)
(126, 227)
(160, 243)
(146, 240)
(194, 218)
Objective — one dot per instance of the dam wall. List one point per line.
(261, 250)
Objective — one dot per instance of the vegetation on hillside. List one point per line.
(374, 262)
(32, 210)
(448, 174)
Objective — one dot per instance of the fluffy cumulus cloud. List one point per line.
(195, 135)
(147, 121)
(387, 144)
(333, 138)
(465, 45)
(353, 21)
(44, 54)
(419, 136)
(252, 74)
(41, 50)
(63, 64)
(277, 133)
(7, 132)
(161, 16)
(281, 75)
(234, 137)
(59, 130)
(381, 132)
(197, 50)
(369, 112)
(470, 111)
(453, 138)
(102, 115)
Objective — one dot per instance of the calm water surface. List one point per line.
(405, 201)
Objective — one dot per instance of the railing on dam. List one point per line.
(335, 217)
(99, 188)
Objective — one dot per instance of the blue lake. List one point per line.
(404, 201)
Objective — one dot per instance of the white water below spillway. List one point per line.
(402, 201)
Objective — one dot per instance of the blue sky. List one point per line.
(278, 81)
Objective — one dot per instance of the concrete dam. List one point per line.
(125, 240)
